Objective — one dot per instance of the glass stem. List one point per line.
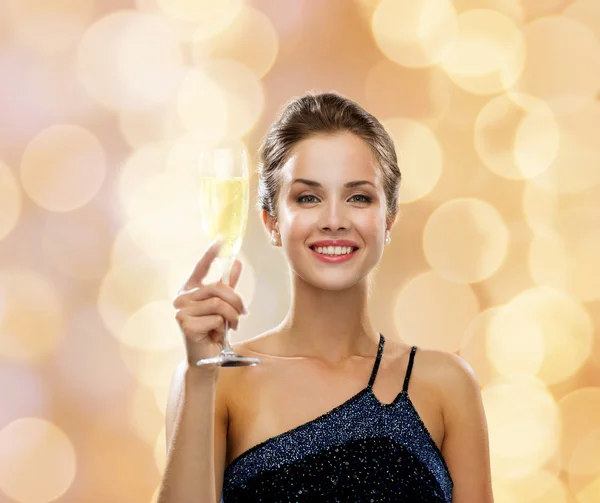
(225, 263)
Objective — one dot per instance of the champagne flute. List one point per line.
(224, 199)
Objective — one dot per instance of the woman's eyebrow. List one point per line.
(314, 183)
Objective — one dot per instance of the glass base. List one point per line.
(229, 359)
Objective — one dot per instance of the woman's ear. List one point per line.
(390, 221)
(269, 221)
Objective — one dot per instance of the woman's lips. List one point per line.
(333, 259)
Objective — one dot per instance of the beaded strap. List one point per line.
(377, 361)
(409, 370)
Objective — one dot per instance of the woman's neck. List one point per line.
(328, 325)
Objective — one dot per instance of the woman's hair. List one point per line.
(318, 114)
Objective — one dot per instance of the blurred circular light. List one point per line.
(419, 156)
(130, 60)
(488, 55)
(79, 365)
(538, 486)
(456, 306)
(211, 16)
(164, 216)
(585, 455)
(516, 136)
(586, 12)
(150, 45)
(510, 328)
(182, 161)
(151, 328)
(474, 347)
(511, 8)
(540, 206)
(142, 127)
(513, 277)
(63, 168)
(571, 77)
(587, 491)
(569, 265)
(77, 244)
(429, 89)
(10, 201)
(131, 283)
(242, 92)
(580, 413)
(415, 33)
(465, 240)
(31, 396)
(184, 28)
(202, 105)
(576, 166)
(140, 167)
(250, 40)
(566, 328)
(536, 9)
(37, 461)
(32, 325)
(524, 425)
(32, 20)
(578, 216)
(153, 369)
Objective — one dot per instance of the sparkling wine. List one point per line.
(224, 210)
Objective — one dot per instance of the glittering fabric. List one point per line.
(360, 451)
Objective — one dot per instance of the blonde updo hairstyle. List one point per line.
(322, 114)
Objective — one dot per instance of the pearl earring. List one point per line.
(273, 239)
(388, 239)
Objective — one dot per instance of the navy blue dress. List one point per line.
(360, 451)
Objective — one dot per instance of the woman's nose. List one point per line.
(334, 216)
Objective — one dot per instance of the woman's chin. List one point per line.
(333, 281)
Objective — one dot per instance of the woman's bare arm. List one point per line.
(196, 416)
(196, 430)
(466, 441)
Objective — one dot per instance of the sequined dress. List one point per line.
(360, 451)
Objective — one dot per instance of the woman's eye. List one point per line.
(365, 199)
(301, 199)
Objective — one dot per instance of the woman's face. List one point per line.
(324, 207)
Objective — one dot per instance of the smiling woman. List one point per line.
(304, 425)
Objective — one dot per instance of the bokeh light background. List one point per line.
(494, 107)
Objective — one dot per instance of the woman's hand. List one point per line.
(201, 309)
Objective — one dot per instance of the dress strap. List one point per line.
(409, 370)
(377, 361)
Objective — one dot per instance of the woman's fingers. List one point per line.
(223, 292)
(203, 265)
(208, 307)
(236, 271)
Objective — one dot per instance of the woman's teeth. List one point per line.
(334, 250)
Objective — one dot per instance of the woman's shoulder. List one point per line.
(446, 371)
(450, 367)
(451, 374)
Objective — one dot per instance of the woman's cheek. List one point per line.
(369, 224)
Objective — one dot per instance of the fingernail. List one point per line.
(244, 311)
